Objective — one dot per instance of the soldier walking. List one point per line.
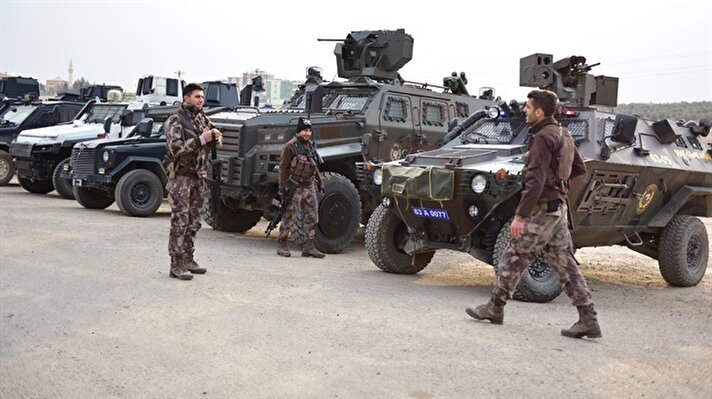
(299, 169)
(188, 131)
(541, 219)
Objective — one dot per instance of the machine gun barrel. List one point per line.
(329, 40)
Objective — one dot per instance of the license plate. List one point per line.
(430, 213)
(78, 182)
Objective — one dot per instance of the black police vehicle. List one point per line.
(131, 171)
(17, 87)
(17, 115)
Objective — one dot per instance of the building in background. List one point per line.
(56, 85)
(277, 91)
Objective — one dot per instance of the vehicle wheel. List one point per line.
(139, 193)
(339, 215)
(539, 282)
(62, 185)
(683, 251)
(7, 168)
(37, 187)
(386, 235)
(92, 198)
(227, 219)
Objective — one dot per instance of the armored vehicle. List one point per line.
(40, 154)
(402, 117)
(160, 90)
(17, 87)
(645, 183)
(16, 116)
(132, 170)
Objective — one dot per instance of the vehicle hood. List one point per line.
(479, 157)
(60, 133)
(107, 142)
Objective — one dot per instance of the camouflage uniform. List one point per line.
(551, 162)
(299, 167)
(185, 188)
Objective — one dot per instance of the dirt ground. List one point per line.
(87, 310)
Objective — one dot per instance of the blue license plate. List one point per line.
(430, 213)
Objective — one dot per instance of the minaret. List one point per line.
(71, 71)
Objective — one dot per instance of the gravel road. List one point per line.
(87, 310)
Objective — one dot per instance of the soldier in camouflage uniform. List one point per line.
(188, 131)
(298, 174)
(541, 219)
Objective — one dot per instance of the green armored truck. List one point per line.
(645, 184)
(402, 118)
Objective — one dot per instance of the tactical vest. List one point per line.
(564, 153)
(303, 166)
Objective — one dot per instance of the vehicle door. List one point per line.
(434, 119)
(396, 125)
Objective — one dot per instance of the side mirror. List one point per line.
(366, 145)
(107, 125)
(145, 127)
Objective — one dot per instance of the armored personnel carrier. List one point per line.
(402, 117)
(645, 184)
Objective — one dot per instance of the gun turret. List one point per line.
(378, 54)
(570, 79)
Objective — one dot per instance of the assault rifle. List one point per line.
(281, 203)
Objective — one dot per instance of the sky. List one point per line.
(660, 50)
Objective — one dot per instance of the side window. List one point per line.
(462, 110)
(147, 85)
(396, 109)
(172, 87)
(433, 114)
(140, 87)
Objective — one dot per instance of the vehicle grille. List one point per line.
(82, 161)
(21, 150)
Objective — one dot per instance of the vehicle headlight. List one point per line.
(478, 184)
(386, 202)
(378, 177)
(493, 112)
(473, 211)
(105, 156)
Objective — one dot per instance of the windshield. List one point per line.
(337, 99)
(494, 131)
(98, 112)
(16, 114)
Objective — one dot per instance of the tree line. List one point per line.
(695, 110)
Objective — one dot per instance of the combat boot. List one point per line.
(283, 248)
(193, 266)
(586, 326)
(310, 251)
(178, 270)
(492, 311)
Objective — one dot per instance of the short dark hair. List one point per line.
(191, 87)
(545, 100)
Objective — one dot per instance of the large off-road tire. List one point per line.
(539, 282)
(37, 187)
(92, 198)
(7, 168)
(683, 251)
(226, 219)
(386, 235)
(139, 193)
(339, 215)
(63, 186)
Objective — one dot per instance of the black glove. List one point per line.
(282, 192)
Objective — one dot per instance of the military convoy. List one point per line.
(402, 117)
(646, 182)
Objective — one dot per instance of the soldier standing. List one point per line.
(299, 169)
(188, 131)
(541, 219)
